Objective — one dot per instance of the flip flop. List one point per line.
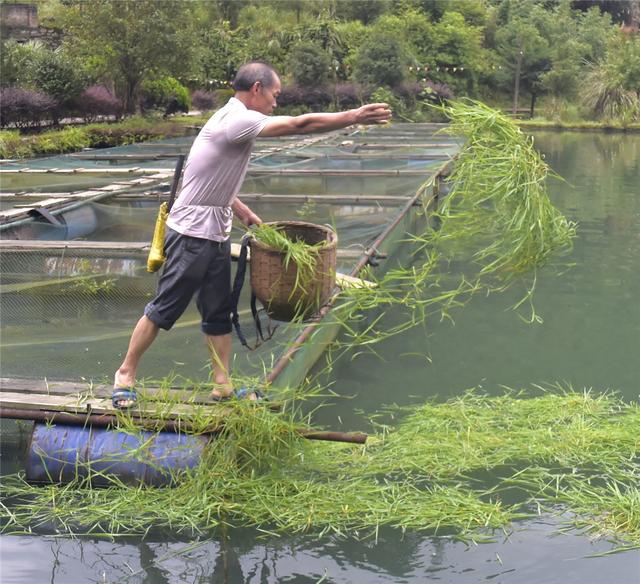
(246, 392)
(122, 395)
(220, 398)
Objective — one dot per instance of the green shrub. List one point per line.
(12, 145)
(385, 95)
(310, 65)
(56, 75)
(381, 60)
(165, 93)
(223, 95)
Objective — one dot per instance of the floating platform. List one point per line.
(79, 270)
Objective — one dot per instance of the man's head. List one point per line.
(257, 85)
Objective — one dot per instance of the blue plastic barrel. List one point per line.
(80, 221)
(61, 453)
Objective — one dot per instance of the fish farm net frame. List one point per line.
(68, 314)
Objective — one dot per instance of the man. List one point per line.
(197, 244)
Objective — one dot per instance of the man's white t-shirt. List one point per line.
(214, 172)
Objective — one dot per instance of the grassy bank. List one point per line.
(608, 126)
(14, 144)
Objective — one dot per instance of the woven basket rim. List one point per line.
(331, 243)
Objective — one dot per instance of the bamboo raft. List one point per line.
(79, 404)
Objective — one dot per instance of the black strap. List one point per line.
(235, 298)
(177, 173)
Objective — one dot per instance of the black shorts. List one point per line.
(194, 266)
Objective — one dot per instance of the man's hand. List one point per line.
(246, 215)
(373, 113)
(251, 219)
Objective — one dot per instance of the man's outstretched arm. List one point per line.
(372, 113)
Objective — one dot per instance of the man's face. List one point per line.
(266, 97)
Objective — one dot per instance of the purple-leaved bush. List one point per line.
(203, 100)
(97, 101)
(23, 108)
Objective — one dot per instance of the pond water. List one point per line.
(589, 338)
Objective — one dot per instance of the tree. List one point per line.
(130, 40)
(523, 48)
(574, 38)
(458, 45)
(381, 60)
(366, 11)
(310, 65)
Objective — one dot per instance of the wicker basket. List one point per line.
(274, 285)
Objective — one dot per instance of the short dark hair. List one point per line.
(254, 71)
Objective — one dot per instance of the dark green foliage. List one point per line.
(366, 11)
(495, 49)
(381, 60)
(57, 76)
(163, 93)
(309, 64)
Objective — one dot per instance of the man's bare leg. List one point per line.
(220, 348)
(143, 335)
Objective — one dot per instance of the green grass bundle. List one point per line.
(303, 255)
(498, 203)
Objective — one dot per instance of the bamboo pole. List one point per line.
(111, 421)
(98, 249)
(293, 348)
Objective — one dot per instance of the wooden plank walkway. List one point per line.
(89, 399)
(336, 172)
(55, 203)
(84, 403)
(357, 199)
(159, 172)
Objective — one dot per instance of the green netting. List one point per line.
(69, 314)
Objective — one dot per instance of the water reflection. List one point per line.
(531, 554)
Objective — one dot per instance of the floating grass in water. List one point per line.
(428, 473)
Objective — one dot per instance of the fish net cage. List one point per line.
(67, 313)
